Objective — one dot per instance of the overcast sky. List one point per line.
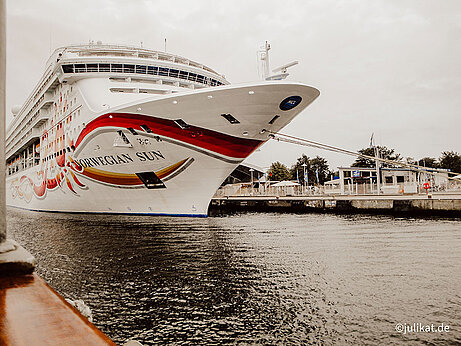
(388, 67)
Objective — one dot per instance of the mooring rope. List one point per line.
(306, 142)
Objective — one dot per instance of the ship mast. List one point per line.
(265, 59)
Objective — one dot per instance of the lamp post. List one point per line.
(251, 173)
(305, 176)
(378, 174)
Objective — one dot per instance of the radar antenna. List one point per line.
(283, 68)
(283, 71)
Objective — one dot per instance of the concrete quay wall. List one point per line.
(401, 205)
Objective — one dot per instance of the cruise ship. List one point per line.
(120, 129)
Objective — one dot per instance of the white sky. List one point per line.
(392, 67)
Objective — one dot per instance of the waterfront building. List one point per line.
(393, 181)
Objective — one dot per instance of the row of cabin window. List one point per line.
(140, 69)
(58, 153)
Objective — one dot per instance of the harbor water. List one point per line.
(261, 278)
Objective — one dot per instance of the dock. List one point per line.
(428, 205)
(32, 313)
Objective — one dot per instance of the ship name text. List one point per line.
(119, 159)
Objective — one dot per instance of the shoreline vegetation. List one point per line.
(317, 169)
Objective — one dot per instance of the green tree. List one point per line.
(428, 162)
(320, 168)
(450, 160)
(278, 172)
(410, 160)
(297, 170)
(317, 163)
(384, 153)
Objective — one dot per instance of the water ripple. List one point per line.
(253, 278)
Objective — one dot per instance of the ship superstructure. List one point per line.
(124, 129)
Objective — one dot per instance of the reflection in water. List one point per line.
(264, 278)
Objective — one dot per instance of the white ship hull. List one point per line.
(101, 173)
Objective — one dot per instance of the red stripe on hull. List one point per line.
(207, 139)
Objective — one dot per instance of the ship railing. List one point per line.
(44, 100)
(34, 132)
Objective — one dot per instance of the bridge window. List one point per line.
(116, 68)
(153, 70)
(68, 68)
(192, 76)
(141, 69)
(92, 67)
(174, 73)
(163, 71)
(128, 68)
(183, 74)
(80, 68)
(104, 67)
